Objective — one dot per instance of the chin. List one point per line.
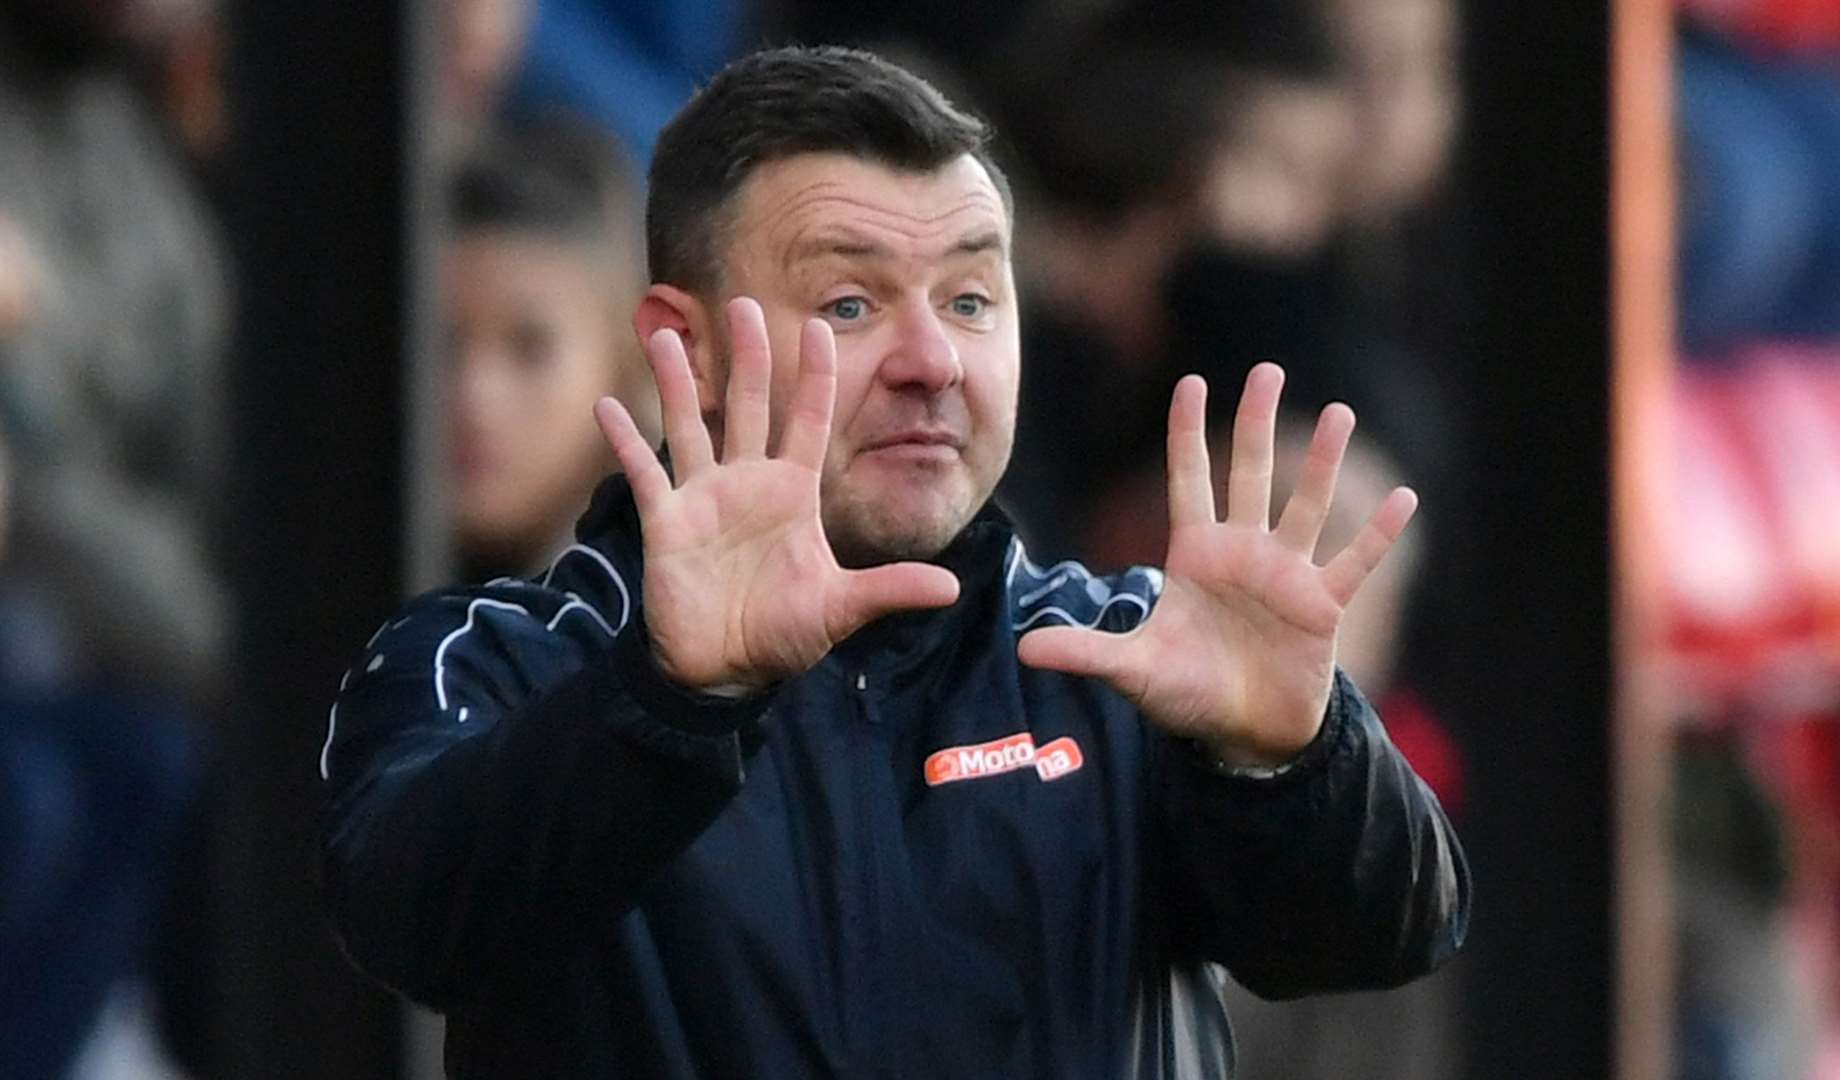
(857, 552)
(872, 536)
(877, 519)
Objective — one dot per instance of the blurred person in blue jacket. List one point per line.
(93, 784)
(113, 321)
(1759, 194)
(625, 65)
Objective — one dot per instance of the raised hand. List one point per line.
(741, 586)
(1239, 651)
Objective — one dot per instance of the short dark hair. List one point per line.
(554, 178)
(777, 104)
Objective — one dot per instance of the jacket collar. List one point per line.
(899, 642)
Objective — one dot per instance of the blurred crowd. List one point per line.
(1752, 650)
(1199, 188)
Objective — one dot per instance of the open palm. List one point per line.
(1240, 650)
(741, 586)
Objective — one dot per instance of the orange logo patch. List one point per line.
(1050, 762)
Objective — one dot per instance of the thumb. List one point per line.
(869, 594)
(1076, 651)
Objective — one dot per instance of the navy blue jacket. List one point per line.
(920, 858)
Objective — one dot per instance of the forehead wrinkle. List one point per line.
(771, 217)
(912, 222)
(799, 238)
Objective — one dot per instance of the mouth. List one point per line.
(937, 439)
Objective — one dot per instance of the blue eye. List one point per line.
(969, 306)
(849, 308)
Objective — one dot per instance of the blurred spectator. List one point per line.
(110, 375)
(1743, 1012)
(1199, 175)
(1404, 245)
(936, 28)
(1234, 125)
(482, 42)
(92, 787)
(1752, 579)
(1192, 178)
(540, 276)
(1760, 197)
(625, 65)
(1796, 25)
(1399, 59)
(189, 80)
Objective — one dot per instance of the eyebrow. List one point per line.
(852, 246)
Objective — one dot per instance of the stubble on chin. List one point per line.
(865, 531)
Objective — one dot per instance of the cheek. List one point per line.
(566, 391)
(992, 377)
(539, 466)
(578, 368)
(531, 404)
(855, 382)
(855, 386)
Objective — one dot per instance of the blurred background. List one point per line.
(302, 306)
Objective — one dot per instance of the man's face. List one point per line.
(912, 271)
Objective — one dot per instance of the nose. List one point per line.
(924, 356)
(475, 381)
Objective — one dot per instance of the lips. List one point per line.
(942, 437)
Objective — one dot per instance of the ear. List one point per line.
(667, 307)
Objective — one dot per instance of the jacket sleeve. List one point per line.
(504, 770)
(1339, 873)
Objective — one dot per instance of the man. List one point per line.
(795, 765)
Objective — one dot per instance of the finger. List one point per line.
(1345, 573)
(1302, 522)
(808, 426)
(1077, 650)
(1249, 473)
(684, 430)
(750, 367)
(868, 595)
(637, 460)
(1191, 482)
